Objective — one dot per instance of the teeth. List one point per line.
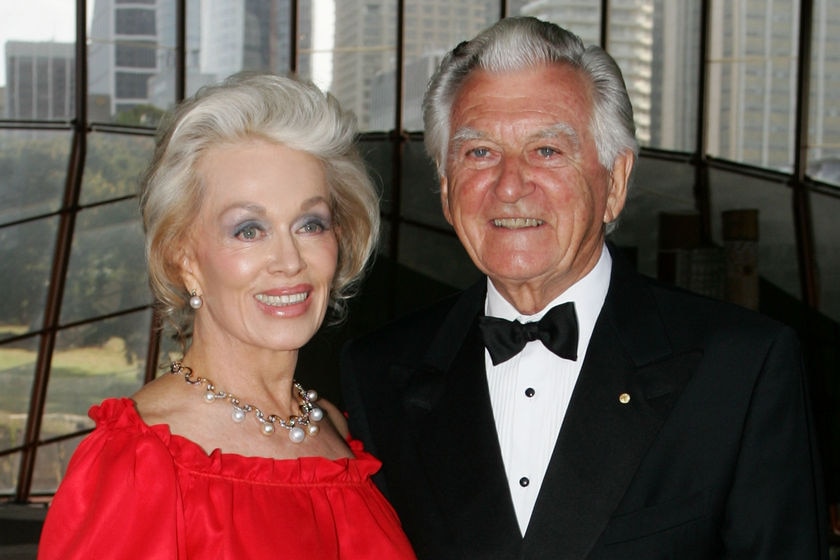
(516, 223)
(279, 301)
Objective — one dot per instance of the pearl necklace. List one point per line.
(295, 424)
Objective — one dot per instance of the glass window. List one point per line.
(228, 36)
(17, 371)
(33, 166)
(436, 255)
(349, 47)
(656, 45)
(51, 460)
(10, 464)
(379, 156)
(116, 162)
(107, 270)
(824, 210)
(132, 85)
(581, 18)
(355, 60)
(92, 362)
(134, 21)
(39, 78)
(425, 44)
(136, 55)
(751, 82)
(161, 87)
(29, 247)
(824, 118)
(777, 256)
(420, 188)
(631, 43)
(131, 61)
(659, 187)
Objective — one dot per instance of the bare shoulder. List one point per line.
(154, 401)
(335, 416)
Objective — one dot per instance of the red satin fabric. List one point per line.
(137, 491)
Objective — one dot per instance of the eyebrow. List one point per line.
(314, 201)
(558, 130)
(463, 135)
(261, 210)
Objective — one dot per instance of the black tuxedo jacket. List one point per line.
(712, 457)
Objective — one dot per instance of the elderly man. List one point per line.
(566, 407)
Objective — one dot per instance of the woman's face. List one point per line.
(263, 250)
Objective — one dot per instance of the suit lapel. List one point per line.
(627, 385)
(600, 446)
(448, 407)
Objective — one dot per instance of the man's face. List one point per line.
(523, 188)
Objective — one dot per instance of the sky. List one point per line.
(35, 20)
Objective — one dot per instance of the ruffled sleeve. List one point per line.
(119, 498)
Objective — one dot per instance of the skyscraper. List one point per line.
(244, 34)
(364, 64)
(122, 53)
(40, 81)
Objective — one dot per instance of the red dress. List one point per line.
(137, 491)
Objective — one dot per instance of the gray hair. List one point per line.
(282, 110)
(521, 42)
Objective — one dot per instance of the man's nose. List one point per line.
(513, 181)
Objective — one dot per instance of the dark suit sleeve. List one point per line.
(352, 393)
(351, 398)
(775, 508)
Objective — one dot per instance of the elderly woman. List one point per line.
(259, 218)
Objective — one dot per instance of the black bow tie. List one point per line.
(557, 330)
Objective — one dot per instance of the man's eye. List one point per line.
(546, 151)
(479, 152)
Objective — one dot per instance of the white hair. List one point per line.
(522, 42)
(282, 110)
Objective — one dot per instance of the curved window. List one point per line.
(737, 111)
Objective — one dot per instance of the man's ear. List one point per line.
(618, 182)
(444, 198)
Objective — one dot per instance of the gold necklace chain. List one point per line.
(298, 426)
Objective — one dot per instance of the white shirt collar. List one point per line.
(588, 294)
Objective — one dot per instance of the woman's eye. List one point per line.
(248, 232)
(314, 226)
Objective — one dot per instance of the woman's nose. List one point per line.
(285, 256)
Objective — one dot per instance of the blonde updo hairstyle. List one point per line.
(282, 110)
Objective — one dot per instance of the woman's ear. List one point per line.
(184, 260)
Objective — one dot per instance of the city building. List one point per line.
(39, 81)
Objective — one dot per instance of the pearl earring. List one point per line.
(195, 300)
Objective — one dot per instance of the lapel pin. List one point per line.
(624, 398)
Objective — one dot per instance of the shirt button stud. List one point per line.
(529, 392)
(523, 482)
